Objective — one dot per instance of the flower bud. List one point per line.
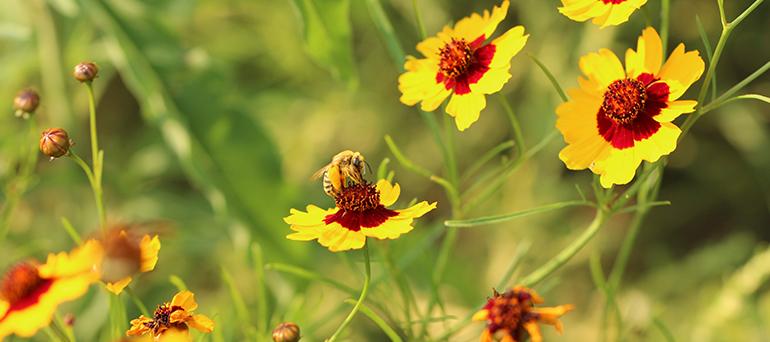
(26, 102)
(286, 332)
(55, 142)
(85, 72)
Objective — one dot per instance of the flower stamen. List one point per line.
(358, 198)
(624, 100)
(20, 282)
(456, 57)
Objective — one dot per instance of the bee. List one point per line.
(344, 165)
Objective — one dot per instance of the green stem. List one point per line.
(567, 253)
(96, 154)
(94, 186)
(417, 18)
(390, 332)
(726, 96)
(664, 23)
(137, 302)
(18, 185)
(518, 137)
(364, 291)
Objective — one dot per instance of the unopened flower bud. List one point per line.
(286, 332)
(85, 72)
(26, 102)
(69, 319)
(55, 142)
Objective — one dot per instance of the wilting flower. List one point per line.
(361, 211)
(126, 254)
(30, 292)
(171, 321)
(459, 62)
(618, 118)
(603, 12)
(513, 314)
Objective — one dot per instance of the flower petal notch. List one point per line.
(602, 12)
(172, 321)
(460, 62)
(619, 117)
(512, 315)
(361, 211)
(30, 292)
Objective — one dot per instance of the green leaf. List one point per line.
(327, 35)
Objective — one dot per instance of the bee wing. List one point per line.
(320, 172)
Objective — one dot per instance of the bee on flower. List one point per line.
(461, 61)
(512, 315)
(31, 292)
(171, 321)
(603, 12)
(126, 254)
(619, 117)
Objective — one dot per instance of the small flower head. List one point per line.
(603, 12)
(55, 142)
(361, 211)
(26, 102)
(621, 116)
(512, 315)
(461, 62)
(171, 321)
(85, 72)
(31, 292)
(286, 332)
(127, 253)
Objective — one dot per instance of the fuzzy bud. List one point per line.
(55, 142)
(85, 72)
(26, 102)
(286, 332)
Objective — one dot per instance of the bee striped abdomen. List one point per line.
(328, 187)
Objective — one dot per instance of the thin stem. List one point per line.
(18, 185)
(518, 137)
(726, 96)
(137, 301)
(94, 186)
(664, 23)
(364, 291)
(722, 17)
(392, 335)
(418, 18)
(567, 253)
(96, 154)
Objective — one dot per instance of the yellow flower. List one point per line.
(604, 12)
(617, 117)
(460, 62)
(361, 211)
(30, 293)
(171, 321)
(126, 254)
(511, 314)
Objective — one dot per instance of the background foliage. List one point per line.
(213, 115)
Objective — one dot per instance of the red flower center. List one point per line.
(359, 206)
(456, 56)
(462, 63)
(628, 111)
(20, 282)
(624, 100)
(614, 2)
(509, 311)
(161, 318)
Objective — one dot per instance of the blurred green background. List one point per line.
(214, 114)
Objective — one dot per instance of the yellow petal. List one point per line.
(118, 286)
(431, 46)
(149, 248)
(682, 67)
(416, 210)
(618, 168)
(620, 13)
(472, 27)
(201, 323)
(602, 67)
(507, 46)
(675, 109)
(186, 300)
(648, 55)
(584, 153)
(582, 10)
(662, 143)
(534, 331)
(82, 259)
(337, 238)
(576, 118)
(388, 193)
(466, 109)
(313, 216)
(175, 335)
(418, 84)
(480, 315)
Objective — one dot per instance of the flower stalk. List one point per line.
(361, 298)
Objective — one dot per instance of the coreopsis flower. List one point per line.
(512, 315)
(171, 321)
(126, 254)
(30, 292)
(603, 12)
(617, 117)
(461, 62)
(361, 211)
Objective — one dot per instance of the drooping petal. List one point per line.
(582, 10)
(337, 238)
(201, 323)
(682, 69)
(388, 193)
(118, 286)
(534, 331)
(648, 55)
(675, 109)
(474, 26)
(602, 67)
(149, 248)
(618, 168)
(466, 109)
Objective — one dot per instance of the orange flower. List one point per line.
(512, 314)
(126, 254)
(30, 293)
(171, 321)
(459, 61)
(361, 211)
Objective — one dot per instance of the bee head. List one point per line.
(358, 161)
